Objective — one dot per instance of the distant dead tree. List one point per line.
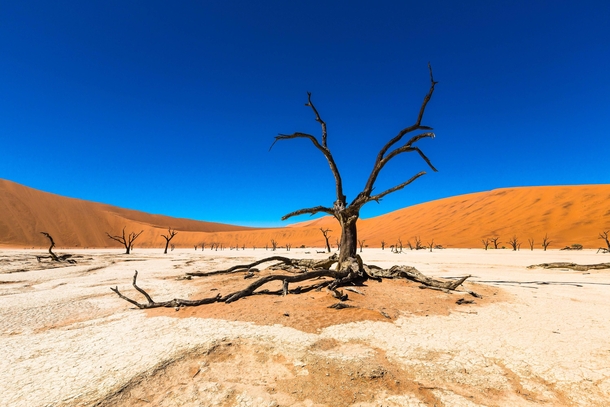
(531, 243)
(266, 246)
(53, 256)
(383, 245)
(195, 247)
(243, 247)
(170, 235)
(495, 241)
(418, 245)
(273, 244)
(288, 246)
(126, 240)
(202, 246)
(409, 244)
(326, 237)
(485, 243)
(545, 242)
(431, 244)
(605, 237)
(337, 244)
(361, 244)
(514, 242)
(399, 246)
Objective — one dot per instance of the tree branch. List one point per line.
(378, 197)
(311, 211)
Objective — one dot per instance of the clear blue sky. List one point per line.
(170, 107)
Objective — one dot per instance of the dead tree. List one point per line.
(347, 213)
(545, 242)
(288, 246)
(361, 244)
(485, 243)
(418, 245)
(170, 235)
(495, 241)
(531, 243)
(326, 237)
(431, 245)
(604, 236)
(202, 246)
(126, 240)
(195, 247)
(52, 255)
(273, 244)
(383, 245)
(350, 269)
(514, 242)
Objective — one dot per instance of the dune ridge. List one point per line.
(567, 214)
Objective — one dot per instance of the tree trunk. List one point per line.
(349, 237)
(167, 244)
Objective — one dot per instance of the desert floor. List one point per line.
(538, 337)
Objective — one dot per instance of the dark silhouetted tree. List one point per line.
(326, 237)
(545, 242)
(170, 235)
(514, 242)
(531, 243)
(495, 241)
(126, 240)
(485, 243)
(347, 213)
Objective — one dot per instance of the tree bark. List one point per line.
(349, 237)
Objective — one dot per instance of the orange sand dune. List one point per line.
(568, 214)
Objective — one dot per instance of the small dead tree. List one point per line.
(383, 245)
(545, 242)
(337, 244)
(126, 240)
(326, 237)
(273, 244)
(52, 255)
(288, 246)
(361, 244)
(52, 242)
(170, 235)
(495, 241)
(531, 243)
(485, 243)
(604, 236)
(418, 245)
(514, 242)
(202, 246)
(195, 247)
(431, 245)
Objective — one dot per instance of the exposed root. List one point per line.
(351, 272)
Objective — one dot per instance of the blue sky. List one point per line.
(171, 107)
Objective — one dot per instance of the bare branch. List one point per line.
(311, 211)
(322, 147)
(378, 197)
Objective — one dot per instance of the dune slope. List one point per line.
(567, 214)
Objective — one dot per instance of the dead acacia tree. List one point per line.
(485, 243)
(361, 244)
(273, 244)
(383, 245)
(52, 255)
(126, 240)
(431, 244)
(170, 235)
(347, 213)
(326, 237)
(545, 242)
(418, 245)
(604, 236)
(514, 242)
(531, 243)
(495, 241)
(350, 269)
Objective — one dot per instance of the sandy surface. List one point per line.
(67, 340)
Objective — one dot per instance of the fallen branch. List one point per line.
(283, 262)
(572, 266)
